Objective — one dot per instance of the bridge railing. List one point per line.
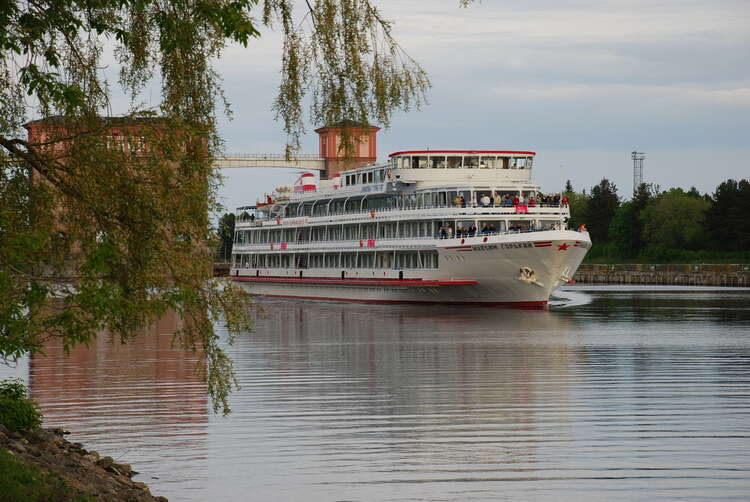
(267, 156)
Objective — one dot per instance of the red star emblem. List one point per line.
(563, 246)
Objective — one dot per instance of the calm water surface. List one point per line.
(612, 394)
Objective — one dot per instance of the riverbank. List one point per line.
(40, 464)
(736, 275)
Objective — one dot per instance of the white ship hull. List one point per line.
(512, 269)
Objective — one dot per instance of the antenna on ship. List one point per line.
(638, 158)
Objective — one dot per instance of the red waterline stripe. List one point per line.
(458, 247)
(543, 244)
(539, 304)
(356, 282)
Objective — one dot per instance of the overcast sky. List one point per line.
(582, 83)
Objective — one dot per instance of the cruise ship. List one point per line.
(453, 227)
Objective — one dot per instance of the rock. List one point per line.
(125, 469)
(161, 499)
(40, 436)
(105, 462)
(4, 430)
(18, 446)
(92, 456)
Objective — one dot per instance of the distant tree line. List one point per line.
(665, 226)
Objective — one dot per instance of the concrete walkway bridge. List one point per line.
(308, 162)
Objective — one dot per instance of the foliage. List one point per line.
(226, 236)
(22, 482)
(674, 219)
(679, 227)
(626, 227)
(102, 232)
(17, 410)
(601, 208)
(578, 203)
(727, 219)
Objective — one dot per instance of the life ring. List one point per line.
(361, 243)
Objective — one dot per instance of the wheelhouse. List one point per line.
(462, 159)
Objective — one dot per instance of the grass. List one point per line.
(21, 482)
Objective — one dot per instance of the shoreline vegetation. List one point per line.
(39, 465)
(664, 227)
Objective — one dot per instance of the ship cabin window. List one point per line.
(454, 162)
(437, 162)
(419, 162)
(519, 226)
(471, 162)
(488, 162)
(490, 226)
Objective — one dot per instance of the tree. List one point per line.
(601, 209)
(727, 217)
(568, 187)
(674, 220)
(626, 227)
(226, 236)
(579, 203)
(101, 234)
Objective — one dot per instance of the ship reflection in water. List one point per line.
(612, 394)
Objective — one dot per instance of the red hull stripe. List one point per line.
(358, 282)
(458, 247)
(542, 244)
(524, 305)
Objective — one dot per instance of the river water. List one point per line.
(614, 393)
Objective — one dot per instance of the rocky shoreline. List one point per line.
(89, 474)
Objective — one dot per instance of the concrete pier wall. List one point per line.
(690, 275)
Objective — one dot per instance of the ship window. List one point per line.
(419, 162)
(454, 162)
(404, 162)
(471, 162)
(437, 162)
(488, 163)
(519, 226)
(529, 162)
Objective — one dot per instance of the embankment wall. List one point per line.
(681, 274)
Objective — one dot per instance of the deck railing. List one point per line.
(392, 213)
(355, 242)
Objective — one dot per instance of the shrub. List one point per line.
(17, 410)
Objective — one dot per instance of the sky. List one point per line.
(582, 83)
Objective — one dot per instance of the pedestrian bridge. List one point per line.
(308, 162)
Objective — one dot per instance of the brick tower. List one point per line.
(365, 146)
